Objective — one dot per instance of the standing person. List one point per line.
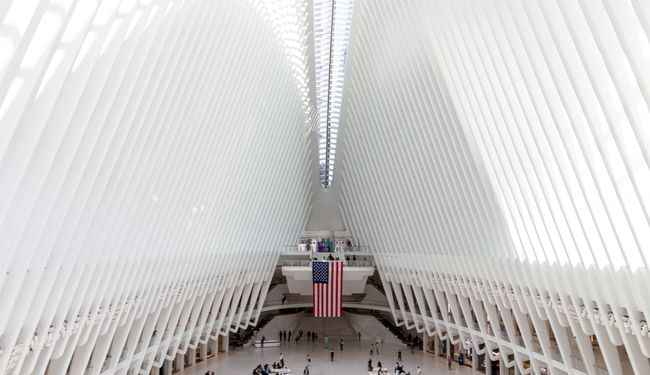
(281, 360)
(289, 336)
(308, 336)
(306, 372)
(308, 358)
(359, 335)
(341, 344)
(284, 299)
(369, 362)
(372, 349)
(262, 341)
(332, 355)
(399, 355)
(418, 371)
(449, 362)
(379, 364)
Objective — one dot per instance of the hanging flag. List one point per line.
(327, 289)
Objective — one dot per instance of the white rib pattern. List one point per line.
(143, 194)
(495, 156)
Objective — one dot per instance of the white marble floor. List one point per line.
(351, 361)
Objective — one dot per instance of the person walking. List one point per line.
(341, 344)
(332, 355)
(449, 362)
(399, 355)
(359, 335)
(418, 371)
(369, 362)
(262, 341)
(284, 299)
(379, 364)
(289, 336)
(306, 371)
(281, 360)
(372, 349)
(308, 358)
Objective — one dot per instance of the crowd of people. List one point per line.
(267, 370)
(286, 336)
(373, 368)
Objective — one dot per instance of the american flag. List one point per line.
(327, 289)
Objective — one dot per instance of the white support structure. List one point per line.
(129, 234)
(493, 156)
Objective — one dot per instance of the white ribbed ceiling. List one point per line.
(156, 155)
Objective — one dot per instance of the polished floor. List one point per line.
(351, 361)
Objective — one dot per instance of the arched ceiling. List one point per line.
(155, 156)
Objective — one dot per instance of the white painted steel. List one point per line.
(154, 157)
(495, 157)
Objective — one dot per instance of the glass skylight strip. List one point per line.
(332, 19)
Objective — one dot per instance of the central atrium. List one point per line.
(324, 187)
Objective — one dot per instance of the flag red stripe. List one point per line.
(341, 290)
(313, 296)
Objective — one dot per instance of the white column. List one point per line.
(488, 364)
(203, 351)
(436, 345)
(179, 361)
(503, 370)
(475, 364)
(226, 343)
(214, 347)
(191, 353)
(167, 368)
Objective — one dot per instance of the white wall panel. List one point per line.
(494, 155)
(154, 157)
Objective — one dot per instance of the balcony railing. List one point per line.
(347, 263)
(304, 248)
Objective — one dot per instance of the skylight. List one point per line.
(332, 20)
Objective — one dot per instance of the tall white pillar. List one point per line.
(214, 347)
(475, 364)
(488, 364)
(167, 368)
(436, 345)
(179, 361)
(203, 351)
(191, 353)
(503, 370)
(225, 343)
